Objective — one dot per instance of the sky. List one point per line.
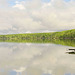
(25, 16)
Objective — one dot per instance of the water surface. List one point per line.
(36, 59)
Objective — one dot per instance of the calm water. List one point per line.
(36, 59)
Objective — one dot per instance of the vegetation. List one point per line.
(63, 38)
(69, 34)
(65, 42)
(32, 36)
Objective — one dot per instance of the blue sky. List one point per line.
(45, 0)
(12, 2)
(67, 0)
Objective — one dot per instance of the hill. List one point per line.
(68, 34)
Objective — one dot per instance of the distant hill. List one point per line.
(68, 34)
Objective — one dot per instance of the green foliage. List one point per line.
(69, 34)
(26, 36)
(65, 42)
(63, 38)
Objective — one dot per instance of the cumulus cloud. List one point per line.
(35, 15)
(39, 58)
(3, 3)
(19, 6)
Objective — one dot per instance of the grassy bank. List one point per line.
(69, 34)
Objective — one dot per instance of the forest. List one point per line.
(68, 34)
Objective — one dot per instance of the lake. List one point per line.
(36, 59)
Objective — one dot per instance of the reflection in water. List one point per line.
(35, 59)
(19, 71)
(66, 42)
(72, 51)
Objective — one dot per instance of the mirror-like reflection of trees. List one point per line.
(71, 51)
(35, 59)
(66, 42)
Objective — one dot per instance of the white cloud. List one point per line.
(3, 3)
(19, 6)
(39, 57)
(36, 16)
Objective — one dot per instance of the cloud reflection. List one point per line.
(35, 59)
